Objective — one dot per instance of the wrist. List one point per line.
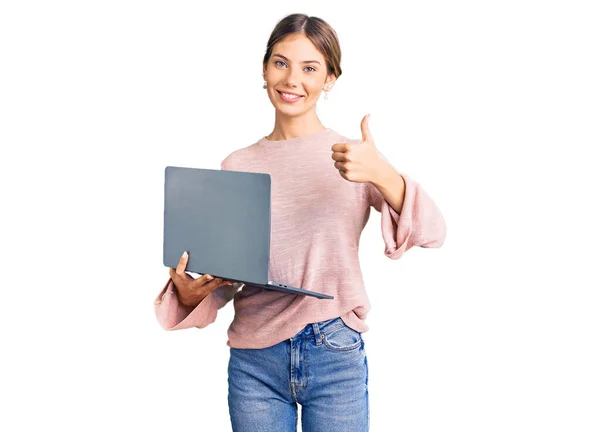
(384, 173)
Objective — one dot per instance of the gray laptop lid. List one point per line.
(223, 220)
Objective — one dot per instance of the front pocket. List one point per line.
(342, 339)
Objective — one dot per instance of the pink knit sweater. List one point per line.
(316, 221)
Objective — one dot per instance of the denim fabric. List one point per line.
(323, 368)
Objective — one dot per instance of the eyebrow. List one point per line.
(307, 61)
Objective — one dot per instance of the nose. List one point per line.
(292, 78)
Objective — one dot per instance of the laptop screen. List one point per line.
(222, 218)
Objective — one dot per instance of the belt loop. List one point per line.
(318, 335)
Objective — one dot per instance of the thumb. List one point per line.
(182, 264)
(366, 132)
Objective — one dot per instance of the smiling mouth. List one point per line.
(289, 97)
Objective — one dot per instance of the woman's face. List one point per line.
(297, 68)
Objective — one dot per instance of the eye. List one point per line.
(279, 61)
(313, 69)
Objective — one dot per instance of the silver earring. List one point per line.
(326, 93)
(265, 85)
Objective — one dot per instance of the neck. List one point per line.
(287, 127)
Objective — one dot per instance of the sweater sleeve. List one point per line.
(420, 222)
(172, 315)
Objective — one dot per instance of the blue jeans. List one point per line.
(323, 368)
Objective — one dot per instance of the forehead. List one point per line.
(297, 47)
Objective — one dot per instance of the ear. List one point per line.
(330, 81)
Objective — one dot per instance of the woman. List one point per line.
(287, 349)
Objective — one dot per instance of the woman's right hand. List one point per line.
(192, 291)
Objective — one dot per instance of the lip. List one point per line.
(289, 100)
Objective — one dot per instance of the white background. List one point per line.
(491, 106)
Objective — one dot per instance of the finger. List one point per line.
(211, 284)
(203, 280)
(340, 147)
(217, 282)
(182, 264)
(364, 127)
(337, 156)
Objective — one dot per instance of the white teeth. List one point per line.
(289, 96)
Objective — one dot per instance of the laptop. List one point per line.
(223, 220)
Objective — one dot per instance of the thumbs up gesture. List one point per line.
(358, 162)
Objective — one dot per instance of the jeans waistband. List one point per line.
(315, 329)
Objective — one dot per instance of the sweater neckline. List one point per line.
(296, 140)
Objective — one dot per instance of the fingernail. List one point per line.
(184, 254)
(209, 277)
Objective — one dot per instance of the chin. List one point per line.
(293, 109)
(291, 112)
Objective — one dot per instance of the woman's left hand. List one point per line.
(358, 162)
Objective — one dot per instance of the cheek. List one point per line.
(314, 88)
